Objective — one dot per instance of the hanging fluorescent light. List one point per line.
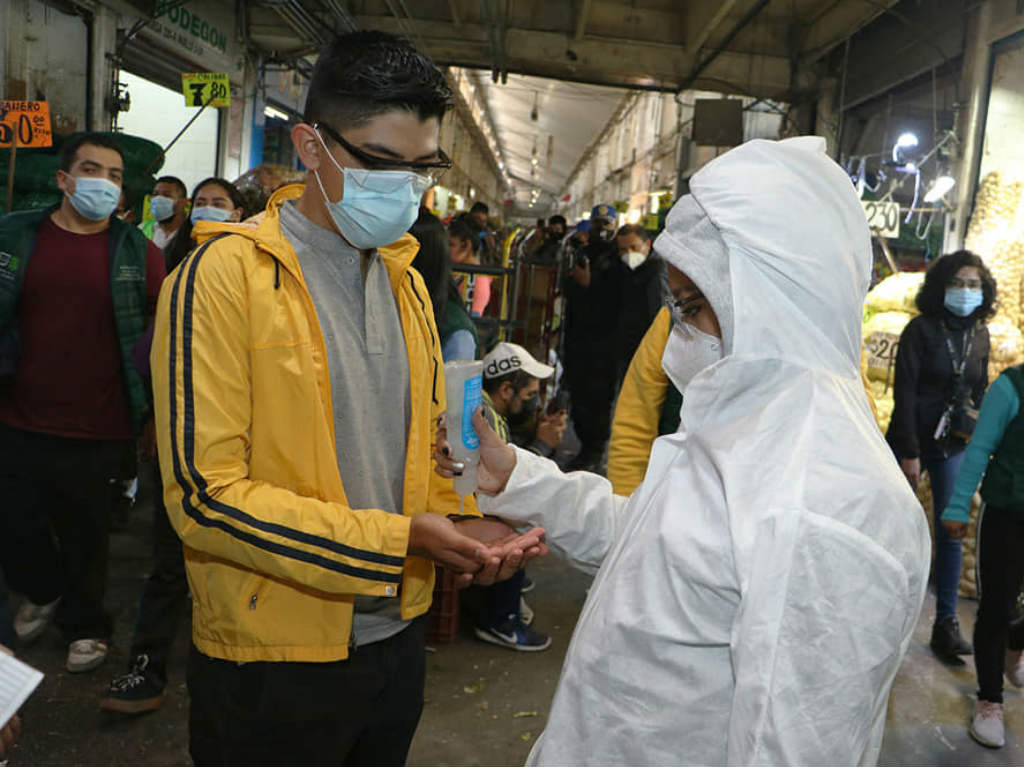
(939, 187)
(277, 114)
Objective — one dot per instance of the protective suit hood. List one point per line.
(774, 236)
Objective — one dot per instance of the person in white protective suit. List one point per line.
(756, 594)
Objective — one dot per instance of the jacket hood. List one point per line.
(775, 237)
(265, 230)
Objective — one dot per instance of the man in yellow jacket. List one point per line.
(298, 382)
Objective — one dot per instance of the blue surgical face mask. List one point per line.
(161, 207)
(210, 213)
(94, 198)
(963, 301)
(377, 206)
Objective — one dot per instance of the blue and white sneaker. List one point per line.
(515, 635)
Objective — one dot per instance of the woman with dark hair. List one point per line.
(941, 375)
(464, 243)
(214, 199)
(459, 339)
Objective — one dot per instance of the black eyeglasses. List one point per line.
(434, 170)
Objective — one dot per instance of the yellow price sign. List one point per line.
(202, 87)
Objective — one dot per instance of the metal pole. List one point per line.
(10, 170)
(181, 133)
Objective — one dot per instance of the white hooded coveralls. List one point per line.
(757, 593)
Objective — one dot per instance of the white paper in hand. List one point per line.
(17, 681)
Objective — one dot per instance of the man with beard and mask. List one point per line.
(167, 204)
(644, 288)
(756, 594)
(511, 396)
(298, 378)
(592, 294)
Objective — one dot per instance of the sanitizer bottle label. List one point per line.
(472, 399)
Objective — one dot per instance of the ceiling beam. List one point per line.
(839, 22)
(717, 17)
(581, 19)
(601, 61)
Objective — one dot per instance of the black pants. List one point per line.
(590, 377)
(165, 595)
(500, 600)
(54, 523)
(1000, 569)
(360, 711)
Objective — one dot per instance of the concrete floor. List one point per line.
(485, 705)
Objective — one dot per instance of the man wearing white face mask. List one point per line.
(756, 594)
(78, 288)
(642, 292)
(298, 379)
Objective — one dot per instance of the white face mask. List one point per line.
(633, 259)
(688, 352)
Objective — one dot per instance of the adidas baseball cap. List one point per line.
(507, 358)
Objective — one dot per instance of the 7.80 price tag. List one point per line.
(202, 87)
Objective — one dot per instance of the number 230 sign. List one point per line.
(883, 218)
(202, 87)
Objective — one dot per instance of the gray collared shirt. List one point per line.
(369, 369)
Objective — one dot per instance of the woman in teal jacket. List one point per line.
(996, 451)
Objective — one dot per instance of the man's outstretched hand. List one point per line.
(513, 549)
(479, 551)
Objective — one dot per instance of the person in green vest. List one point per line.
(996, 451)
(78, 288)
(167, 206)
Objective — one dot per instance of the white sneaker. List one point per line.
(1015, 667)
(32, 619)
(987, 727)
(525, 612)
(86, 654)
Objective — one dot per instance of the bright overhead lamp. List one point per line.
(906, 140)
(277, 114)
(939, 187)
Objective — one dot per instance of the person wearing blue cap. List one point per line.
(592, 297)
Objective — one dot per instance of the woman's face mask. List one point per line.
(688, 352)
(210, 213)
(963, 301)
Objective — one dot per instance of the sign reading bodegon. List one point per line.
(176, 15)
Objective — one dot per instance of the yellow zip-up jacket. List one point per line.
(274, 553)
(638, 410)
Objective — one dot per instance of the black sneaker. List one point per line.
(946, 639)
(515, 634)
(136, 692)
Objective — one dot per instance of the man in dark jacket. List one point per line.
(591, 323)
(644, 286)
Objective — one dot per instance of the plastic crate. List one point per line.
(443, 619)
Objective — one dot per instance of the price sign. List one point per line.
(27, 122)
(882, 348)
(883, 218)
(200, 87)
